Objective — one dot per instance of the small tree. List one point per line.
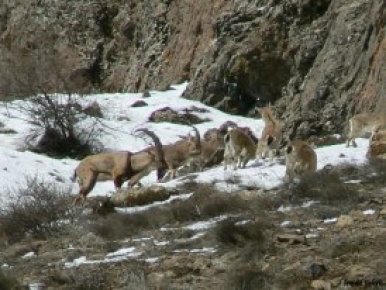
(42, 78)
(56, 130)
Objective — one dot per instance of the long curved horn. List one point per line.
(198, 140)
(159, 156)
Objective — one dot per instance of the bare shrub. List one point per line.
(56, 131)
(325, 186)
(38, 210)
(8, 282)
(292, 279)
(252, 242)
(38, 75)
(374, 171)
(205, 203)
(90, 278)
(360, 245)
(121, 225)
(252, 234)
(246, 279)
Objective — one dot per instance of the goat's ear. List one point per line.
(289, 149)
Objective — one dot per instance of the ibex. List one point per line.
(120, 165)
(178, 154)
(364, 123)
(376, 149)
(212, 143)
(377, 135)
(377, 144)
(239, 149)
(271, 135)
(301, 159)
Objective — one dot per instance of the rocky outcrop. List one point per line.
(317, 62)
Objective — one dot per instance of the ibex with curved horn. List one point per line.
(119, 165)
(179, 154)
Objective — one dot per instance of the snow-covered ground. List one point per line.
(121, 120)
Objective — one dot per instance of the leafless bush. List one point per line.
(8, 283)
(56, 131)
(92, 278)
(252, 241)
(205, 203)
(243, 235)
(325, 186)
(246, 279)
(39, 75)
(120, 225)
(292, 279)
(38, 210)
(374, 171)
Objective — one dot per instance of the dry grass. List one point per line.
(246, 279)
(292, 280)
(121, 225)
(325, 186)
(90, 278)
(374, 171)
(38, 210)
(7, 282)
(205, 203)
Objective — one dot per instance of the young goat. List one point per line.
(301, 159)
(377, 135)
(239, 149)
(271, 135)
(377, 145)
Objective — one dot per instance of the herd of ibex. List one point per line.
(238, 145)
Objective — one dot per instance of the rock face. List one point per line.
(317, 62)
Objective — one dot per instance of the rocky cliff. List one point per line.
(317, 61)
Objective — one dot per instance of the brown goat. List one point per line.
(211, 145)
(271, 135)
(239, 148)
(301, 159)
(364, 123)
(120, 165)
(178, 154)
